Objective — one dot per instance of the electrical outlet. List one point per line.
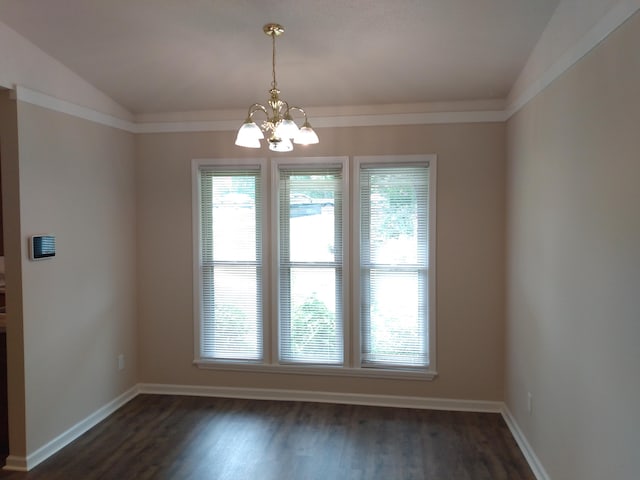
(529, 402)
(121, 361)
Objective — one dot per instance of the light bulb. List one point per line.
(280, 144)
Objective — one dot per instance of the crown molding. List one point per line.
(43, 100)
(187, 126)
(363, 116)
(613, 19)
(427, 118)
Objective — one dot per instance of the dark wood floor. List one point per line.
(171, 437)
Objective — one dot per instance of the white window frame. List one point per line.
(269, 178)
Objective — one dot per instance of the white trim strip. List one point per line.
(338, 371)
(337, 121)
(325, 397)
(427, 118)
(46, 101)
(24, 464)
(180, 127)
(600, 31)
(525, 447)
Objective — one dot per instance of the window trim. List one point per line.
(269, 179)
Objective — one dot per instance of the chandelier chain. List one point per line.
(274, 84)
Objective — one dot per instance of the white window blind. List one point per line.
(310, 265)
(231, 264)
(394, 265)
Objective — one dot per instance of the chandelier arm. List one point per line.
(255, 108)
(286, 107)
(300, 109)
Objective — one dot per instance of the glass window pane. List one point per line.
(308, 202)
(313, 329)
(396, 333)
(312, 237)
(393, 199)
(233, 218)
(234, 305)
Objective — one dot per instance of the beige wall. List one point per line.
(77, 311)
(470, 257)
(573, 315)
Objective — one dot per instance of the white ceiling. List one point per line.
(189, 55)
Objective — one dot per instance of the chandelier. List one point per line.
(279, 126)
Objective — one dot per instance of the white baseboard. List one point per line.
(325, 397)
(525, 447)
(24, 464)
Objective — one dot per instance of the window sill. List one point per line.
(325, 370)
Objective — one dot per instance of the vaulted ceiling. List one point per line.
(189, 55)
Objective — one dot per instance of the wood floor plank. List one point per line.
(198, 438)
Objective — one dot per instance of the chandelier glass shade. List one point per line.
(279, 127)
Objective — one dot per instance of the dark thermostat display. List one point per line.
(42, 246)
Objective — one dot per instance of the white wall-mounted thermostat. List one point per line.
(42, 247)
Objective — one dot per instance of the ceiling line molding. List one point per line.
(613, 19)
(43, 100)
(599, 32)
(179, 127)
(334, 121)
(484, 116)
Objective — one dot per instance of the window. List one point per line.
(231, 263)
(310, 271)
(394, 257)
(285, 281)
